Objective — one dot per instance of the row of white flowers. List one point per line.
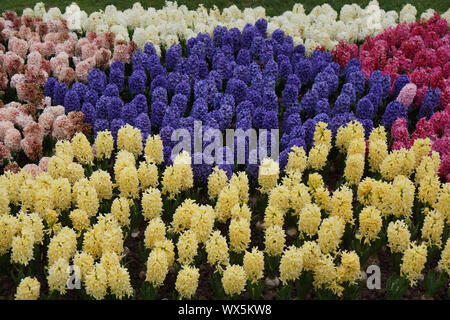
(323, 26)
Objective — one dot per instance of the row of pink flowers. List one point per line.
(420, 50)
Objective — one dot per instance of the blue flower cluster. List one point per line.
(234, 80)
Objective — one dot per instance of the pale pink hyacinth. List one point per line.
(36, 75)
(121, 53)
(43, 163)
(46, 122)
(9, 113)
(32, 146)
(59, 62)
(5, 153)
(34, 59)
(63, 128)
(407, 94)
(67, 75)
(5, 126)
(12, 63)
(32, 169)
(23, 120)
(18, 46)
(12, 139)
(82, 69)
(55, 110)
(17, 78)
(88, 51)
(102, 57)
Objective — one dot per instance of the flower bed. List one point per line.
(232, 155)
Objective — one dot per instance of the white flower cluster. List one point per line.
(323, 26)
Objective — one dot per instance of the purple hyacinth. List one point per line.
(358, 80)
(399, 83)
(49, 87)
(91, 97)
(173, 55)
(394, 110)
(289, 96)
(101, 109)
(114, 106)
(292, 121)
(159, 81)
(309, 101)
(243, 57)
(364, 109)
(117, 74)
(160, 94)
(430, 103)
(129, 113)
(72, 101)
(322, 106)
(309, 127)
(237, 88)
(158, 109)
(342, 104)
(218, 34)
(59, 92)
(97, 80)
(200, 168)
(143, 123)
(322, 89)
(199, 109)
(303, 70)
(80, 89)
(100, 125)
(166, 136)
(349, 90)
(367, 125)
(247, 36)
(179, 103)
(183, 88)
(111, 90)
(171, 118)
(322, 117)
(261, 26)
(137, 81)
(89, 112)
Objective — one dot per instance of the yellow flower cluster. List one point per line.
(187, 247)
(378, 149)
(254, 265)
(178, 177)
(398, 236)
(148, 175)
(433, 228)
(413, 262)
(309, 219)
(274, 240)
(330, 234)
(217, 249)
(370, 224)
(104, 145)
(130, 139)
(187, 281)
(326, 275)
(226, 201)
(444, 263)
(239, 233)
(152, 205)
(82, 149)
(120, 209)
(398, 162)
(155, 231)
(291, 264)
(297, 160)
(234, 280)
(157, 267)
(341, 204)
(349, 269)
(217, 181)
(154, 149)
(268, 174)
(346, 134)
(28, 289)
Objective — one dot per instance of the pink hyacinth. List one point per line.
(88, 51)
(43, 163)
(121, 53)
(12, 63)
(18, 46)
(46, 122)
(400, 134)
(32, 147)
(5, 153)
(12, 139)
(82, 69)
(32, 169)
(63, 128)
(34, 59)
(5, 126)
(59, 62)
(8, 113)
(23, 120)
(407, 94)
